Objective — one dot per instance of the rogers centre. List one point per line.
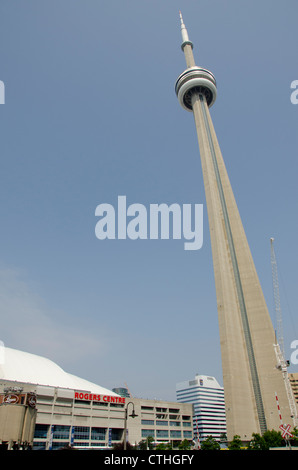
(104, 398)
(42, 407)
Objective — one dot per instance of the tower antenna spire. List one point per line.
(183, 29)
(184, 33)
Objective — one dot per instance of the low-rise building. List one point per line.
(72, 411)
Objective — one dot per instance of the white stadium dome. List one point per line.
(19, 366)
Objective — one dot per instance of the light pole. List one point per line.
(133, 415)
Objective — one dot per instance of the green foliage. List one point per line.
(257, 442)
(210, 444)
(268, 439)
(163, 446)
(184, 445)
(146, 443)
(236, 443)
(120, 446)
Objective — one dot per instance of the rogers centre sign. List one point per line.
(96, 397)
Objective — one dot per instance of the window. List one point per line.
(147, 433)
(82, 402)
(81, 432)
(41, 431)
(175, 423)
(117, 434)
(161, 423)
(162, 433)
(187, 434)
(147, 421)
(39, 445)
(60, 431)
(81, 444)
(98, 434)
(176, 434)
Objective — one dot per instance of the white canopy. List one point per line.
(28, 368)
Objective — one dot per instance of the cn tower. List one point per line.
(250, 377)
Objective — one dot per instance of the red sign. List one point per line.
(31, 401)
(11, 399)
(286, 430)
(100, 398)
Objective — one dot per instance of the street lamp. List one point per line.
(133, 415)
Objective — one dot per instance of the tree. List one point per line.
(236, 443)
(273, 439)
(295, 434)
(184, 445)
(210, 444)
(163, 446)
(146, 443)
(266, 441)
(257, 442)
(120, 446)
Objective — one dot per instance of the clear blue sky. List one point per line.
(90, 113)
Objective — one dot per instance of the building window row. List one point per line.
(79, 433)
(151, 422)
(166, 434)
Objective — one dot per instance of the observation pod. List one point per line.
(195, 80)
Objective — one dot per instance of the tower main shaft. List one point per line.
(250, 376)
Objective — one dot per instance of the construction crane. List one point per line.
(282, 364)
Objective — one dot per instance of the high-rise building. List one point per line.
(293, 378)
(207, 397)
(250, 376)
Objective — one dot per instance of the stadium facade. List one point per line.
(49, 409)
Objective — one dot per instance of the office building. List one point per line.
(207, 396)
